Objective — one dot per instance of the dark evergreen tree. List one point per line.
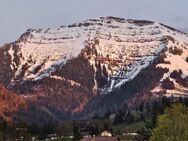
(96, 130)
(76, 132)
(3, 128)
(141, 107)
(185, 101)
(118, 118)
(180, 100)
(34, 129)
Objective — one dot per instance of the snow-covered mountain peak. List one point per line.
(96, 66)
(124, 47)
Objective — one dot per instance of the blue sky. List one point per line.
(16, 16)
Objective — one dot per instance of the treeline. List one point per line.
(146, 112)
(26, 132)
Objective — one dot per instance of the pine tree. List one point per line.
(76, 132)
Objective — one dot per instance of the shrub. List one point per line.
(186, 59)
(176, 74)
(170, 38)
(167, 84)
(183, 81)
(176, 51)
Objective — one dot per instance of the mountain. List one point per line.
(95, 66)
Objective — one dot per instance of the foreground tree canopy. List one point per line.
(172, 125)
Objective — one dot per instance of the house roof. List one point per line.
(106, 131)
(99, 139)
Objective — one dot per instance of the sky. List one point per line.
(16, 16)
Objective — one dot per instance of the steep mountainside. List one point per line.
(89, 66)
(10, 103)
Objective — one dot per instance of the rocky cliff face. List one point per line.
(96, 65)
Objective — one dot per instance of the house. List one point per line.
(99, 139)
(130, 133)
(52, 136)
(106, 134)
(86, 131)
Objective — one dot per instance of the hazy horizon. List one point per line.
(17, 16)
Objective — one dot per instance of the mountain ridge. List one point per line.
(66, 69)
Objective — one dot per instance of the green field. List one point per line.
(119, 129)
(66, 139)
